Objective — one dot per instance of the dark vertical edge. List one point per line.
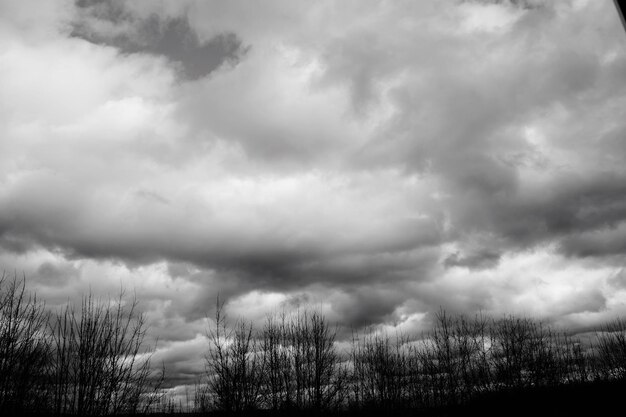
(620, 13)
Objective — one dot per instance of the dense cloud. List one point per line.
(112, 23)
(379, 160)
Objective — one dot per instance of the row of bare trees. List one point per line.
(91, 359)
(83, 360)
(293, 363)
(462, 358)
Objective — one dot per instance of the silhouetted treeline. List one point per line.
(91, 359)
(292, 364)
(82, 360)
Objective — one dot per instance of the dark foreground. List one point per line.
(572, 400)
(592, 399)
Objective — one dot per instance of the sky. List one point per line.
(375, 159)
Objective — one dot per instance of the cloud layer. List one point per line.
(379, 159)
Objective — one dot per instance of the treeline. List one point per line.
(292, 364)
(79, 360)
(91, 359)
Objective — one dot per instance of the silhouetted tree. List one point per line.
(24, 348)
(98, 363)
(234, 366)
(611, 346)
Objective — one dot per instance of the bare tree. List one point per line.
(278, 365)
(611, 350)
(24, 348)
(381, 371)
(303, 369)
(99, 365)
(90, 359)
(233, 365)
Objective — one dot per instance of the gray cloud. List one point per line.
(480, 260)
(524, 4)
(171, 37)
(609, 241)
(50, 274)
(619, 279)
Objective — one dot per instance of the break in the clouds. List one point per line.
(376, 159)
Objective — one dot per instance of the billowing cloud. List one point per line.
(378, 160)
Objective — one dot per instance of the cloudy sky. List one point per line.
(376, 159)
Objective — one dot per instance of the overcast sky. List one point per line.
(376, 159)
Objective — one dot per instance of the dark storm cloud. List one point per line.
(363, 278)
(365, 306)
(609, 241)
(585, 204)
(348, 246)
(566, 206)
(171, 37)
